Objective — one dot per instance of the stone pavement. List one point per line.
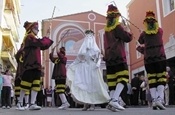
(97, 111)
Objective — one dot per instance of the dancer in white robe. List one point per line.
(84, 76)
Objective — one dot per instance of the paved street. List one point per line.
(98, 111)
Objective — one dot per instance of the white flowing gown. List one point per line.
(84, 76)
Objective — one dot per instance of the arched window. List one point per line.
(69, 45)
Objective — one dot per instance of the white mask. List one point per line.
(35, 31)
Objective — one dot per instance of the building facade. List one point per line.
(9, 36)
(165, 15)
(68, 31)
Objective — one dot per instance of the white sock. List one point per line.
(26, 99)
(111, 93)
(118, 90)
(33, 96)
(21, 97)
(63, 98)
(153, 93)
(160, 91)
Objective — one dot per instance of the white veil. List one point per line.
(89, 44)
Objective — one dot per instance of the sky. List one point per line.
(37, 10)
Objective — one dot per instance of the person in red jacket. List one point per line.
(151, 45)
(59, 75)
(31, 67)
(115, 57)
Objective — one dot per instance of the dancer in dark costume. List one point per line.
(115, 56)
(59, 75)
(151, 45)
(31, 71)
(19, 60)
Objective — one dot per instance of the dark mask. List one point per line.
(151, 23)
(63, 52)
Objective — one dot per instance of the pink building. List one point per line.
(68, 31)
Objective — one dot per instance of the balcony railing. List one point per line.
(8, 57)
(8, 38)
(10, 19)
